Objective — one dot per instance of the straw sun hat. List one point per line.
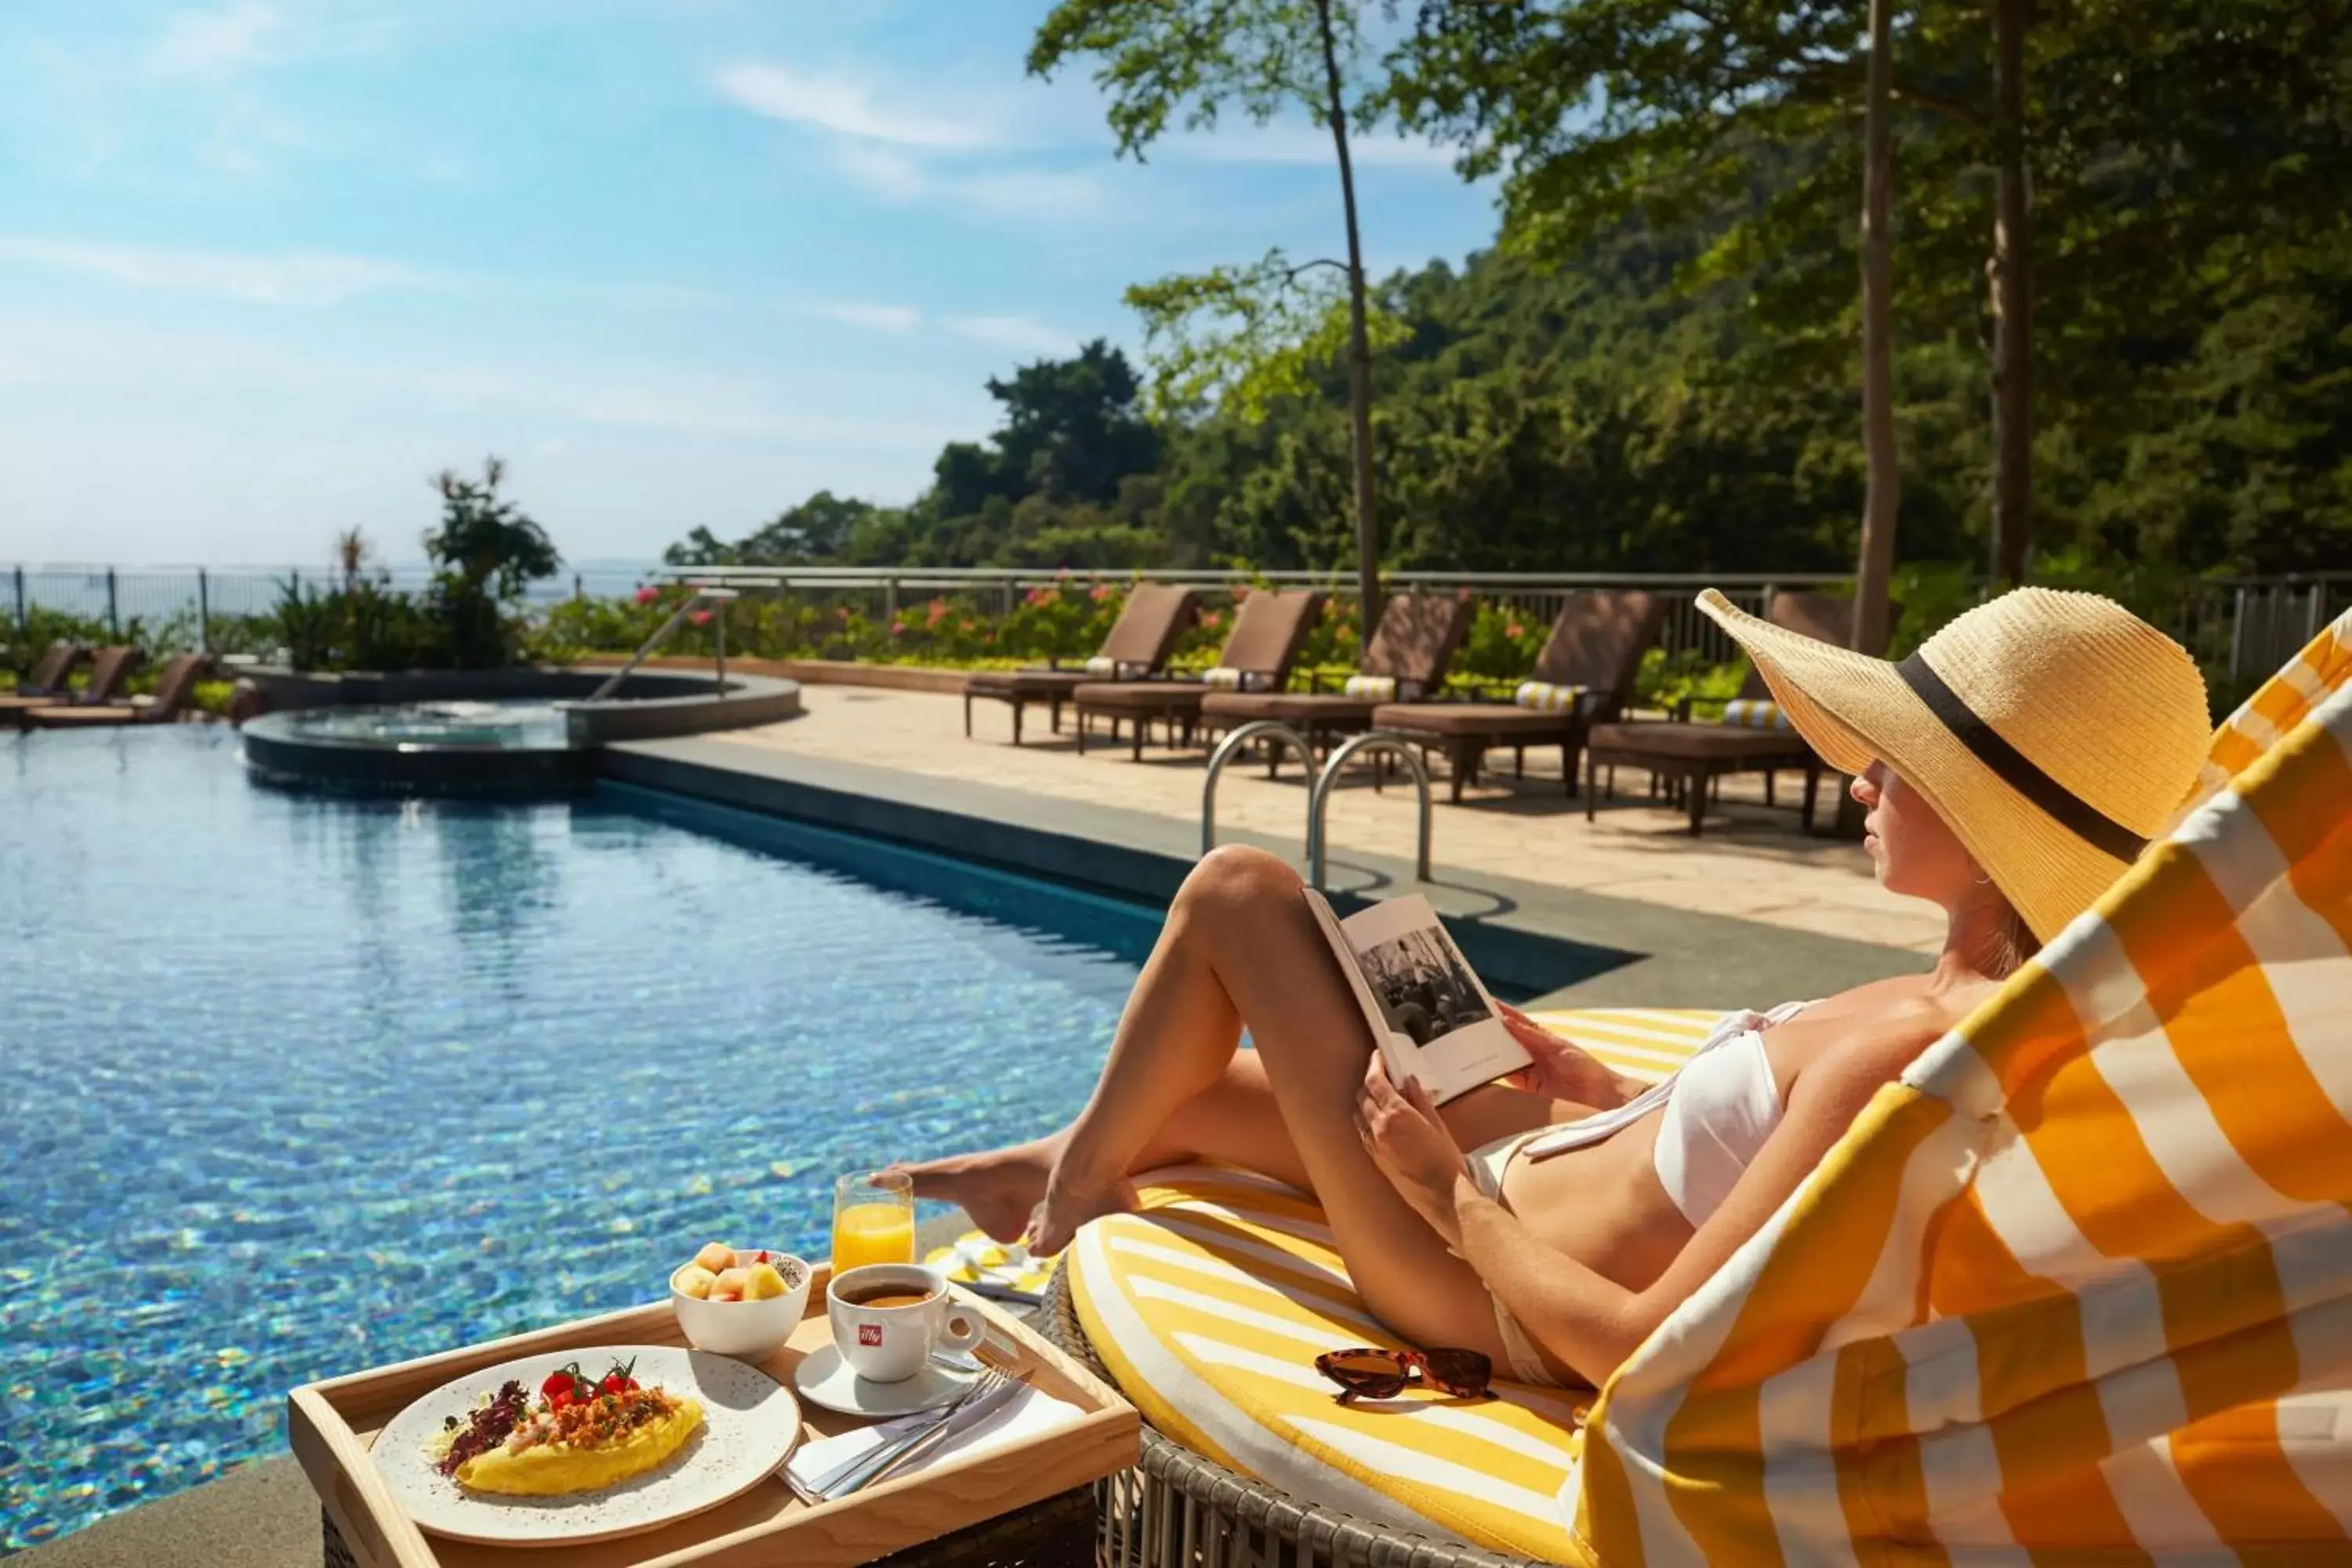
(2056, 732)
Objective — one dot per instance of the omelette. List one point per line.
(584, 1447)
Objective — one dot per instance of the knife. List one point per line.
(965, 1417)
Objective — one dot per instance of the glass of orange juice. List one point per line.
(872, 1219)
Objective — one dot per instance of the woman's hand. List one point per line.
(1413, 1149)
(1558, 1068)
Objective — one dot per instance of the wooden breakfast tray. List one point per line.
(331, 1426)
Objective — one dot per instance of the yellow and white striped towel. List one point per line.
(2078, 1288)
(1211, 1305)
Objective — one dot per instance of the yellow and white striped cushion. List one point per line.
(1210, 1304)
(2078, 1287)
(1378, 687)
(1755, 713)
(1226, 679)
(1106, 668)
(1543, 696)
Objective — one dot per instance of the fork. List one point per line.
(858, 1472)
(826, 1485)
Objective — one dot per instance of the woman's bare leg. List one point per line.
(1240, 943)
(1234, 1122)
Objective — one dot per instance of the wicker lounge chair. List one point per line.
(2099, 1225)
(1268, 630)
(1155, 615)
(1694, 755)
(1584, 675)
(1406, 659)
(45, 684)
(170, 700)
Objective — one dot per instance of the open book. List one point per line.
(1431, 1016)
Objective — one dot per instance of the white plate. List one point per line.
(750, 1422)
(824, 1378)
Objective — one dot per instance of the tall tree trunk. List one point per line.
(1884, 483)
(1360, 346)
(2010, 272)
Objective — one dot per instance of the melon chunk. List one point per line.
(718, 1257)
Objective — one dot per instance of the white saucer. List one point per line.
(825, 1379)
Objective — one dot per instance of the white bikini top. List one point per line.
(1719, 1109)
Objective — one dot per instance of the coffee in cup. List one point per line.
(888, 1319)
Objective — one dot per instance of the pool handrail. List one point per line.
(720, 596)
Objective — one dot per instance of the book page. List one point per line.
(1441, 1023)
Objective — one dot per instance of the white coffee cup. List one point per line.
(890, 1344)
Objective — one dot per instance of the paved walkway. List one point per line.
(1752, 863)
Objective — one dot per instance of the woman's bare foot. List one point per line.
(1070, 1201)
(999, 1188)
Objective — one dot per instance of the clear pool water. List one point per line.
(291, 1087)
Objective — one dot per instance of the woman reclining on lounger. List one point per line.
(2010, 770)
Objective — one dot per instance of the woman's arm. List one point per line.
(1589, 1323)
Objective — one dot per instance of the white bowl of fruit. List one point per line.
(743, 1301)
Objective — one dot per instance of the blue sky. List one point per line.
(267, 263)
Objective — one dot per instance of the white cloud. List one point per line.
(898, 318)
(1024, 334)
(295, 277)
(849, 106)
(212, 45)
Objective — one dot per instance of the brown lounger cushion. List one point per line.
(1141, 696)
(1025, 682)
(1416, 639)
(1473, 718)
(1288, 707)
(1696, 741)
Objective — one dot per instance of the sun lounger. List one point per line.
(1415, 640)
(1269, 628)
(1752, 737)
(170, 698)
(2071, 1290)
(45, 684)
(1154, 617)
(1584, 675)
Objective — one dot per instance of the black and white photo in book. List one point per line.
(1423, 986)
(1431, 1017)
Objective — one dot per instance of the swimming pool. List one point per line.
(296, 1085)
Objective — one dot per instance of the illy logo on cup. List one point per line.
(869, 1333)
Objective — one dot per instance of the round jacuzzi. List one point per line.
(513, 748)
(521, 732)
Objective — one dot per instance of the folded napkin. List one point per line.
(1029, 1413)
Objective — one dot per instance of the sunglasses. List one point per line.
(1368, 1373)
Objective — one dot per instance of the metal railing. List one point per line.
(703, 594)
(2245, 628)
(1321, 798)
(1263, 732)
